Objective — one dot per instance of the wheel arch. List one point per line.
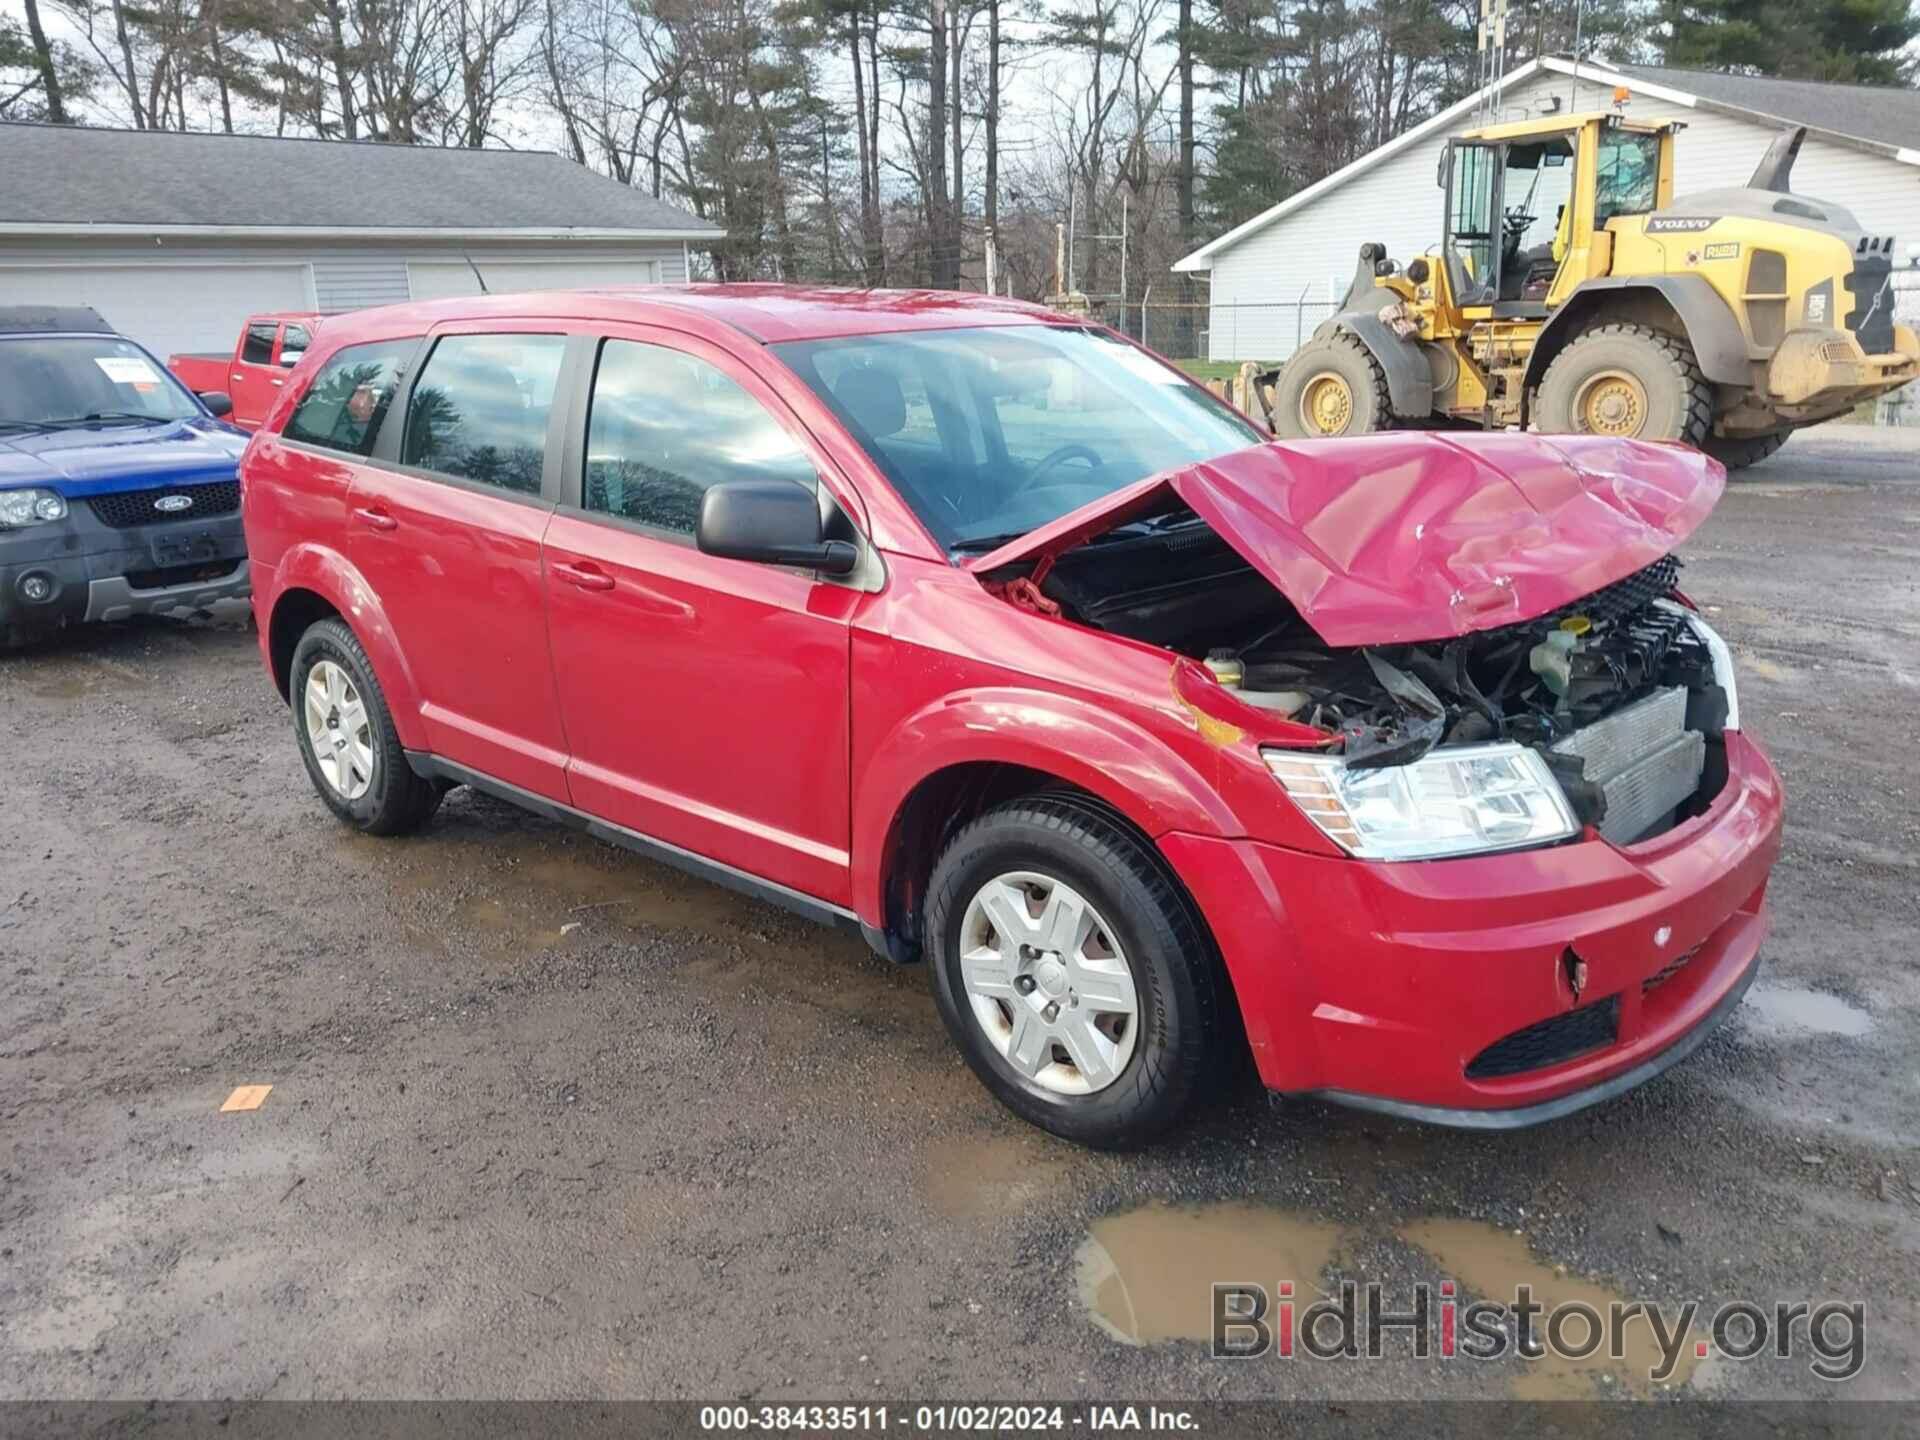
(313, 582)
(946, 764)
(1685, 305)
(1409, 377)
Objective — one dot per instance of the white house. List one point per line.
(1862, 152)
(175, 238)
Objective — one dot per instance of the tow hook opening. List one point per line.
(1574, 969)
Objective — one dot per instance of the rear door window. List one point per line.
(479, 410)
(257, 348)
(343, 407)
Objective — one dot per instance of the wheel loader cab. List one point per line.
(1524, 200)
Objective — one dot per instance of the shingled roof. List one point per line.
(1882, 113)
(60, 176)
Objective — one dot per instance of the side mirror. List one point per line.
(774, 522)
(217, 401)
(291, 358)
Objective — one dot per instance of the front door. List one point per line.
(706, 700)
(446, 528)
(254, 383)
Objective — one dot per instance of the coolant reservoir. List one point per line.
(1286, 702)
(1226, 668)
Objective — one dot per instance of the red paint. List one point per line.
(1409, 536)
(252, 387)
(780, 724)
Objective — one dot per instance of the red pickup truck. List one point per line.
(269, 346)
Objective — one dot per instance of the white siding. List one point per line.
(1257, 283)
(355, 282)
(193, 295)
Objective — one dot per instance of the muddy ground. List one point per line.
(548, 1120)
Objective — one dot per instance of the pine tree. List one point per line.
(1857, 41)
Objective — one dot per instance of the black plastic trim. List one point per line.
(433, 767)
(1520, 1117)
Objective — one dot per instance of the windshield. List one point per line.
(989, 433)
(61, 380)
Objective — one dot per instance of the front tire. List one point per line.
(1628, 381)
(1739, 452)
(1331, 387)
(1071, 972)
(346, 736)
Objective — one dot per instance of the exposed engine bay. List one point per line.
(1617, 691)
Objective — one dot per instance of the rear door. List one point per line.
(706, 700)
(254, 382)
(446, 525)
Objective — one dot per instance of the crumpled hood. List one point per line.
(1421, 535)
(104, 459)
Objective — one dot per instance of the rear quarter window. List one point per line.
(344, 406)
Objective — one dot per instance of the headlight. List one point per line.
(30, 507)
(1451, 802)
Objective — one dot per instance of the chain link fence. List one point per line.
(1264, 330)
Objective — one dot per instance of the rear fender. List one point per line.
(1138, 775)
(1710, 325)
(330, 575)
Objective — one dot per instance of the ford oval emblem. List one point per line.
(173, 504)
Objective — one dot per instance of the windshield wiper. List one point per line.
(982, 544)
(101, 417)
(27, 425)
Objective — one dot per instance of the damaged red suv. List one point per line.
(1401, 760)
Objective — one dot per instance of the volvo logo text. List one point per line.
(173, 504)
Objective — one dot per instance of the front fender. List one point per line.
(331, 576)
(1105, 754)
(1409, 376)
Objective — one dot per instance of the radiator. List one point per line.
(1644, 760)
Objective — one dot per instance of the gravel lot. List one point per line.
(548, 1120)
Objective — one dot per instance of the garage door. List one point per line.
(165, 307)
(436, 279)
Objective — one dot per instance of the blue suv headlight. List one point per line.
(30, 507)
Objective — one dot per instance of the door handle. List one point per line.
(376, 518)
(584, 576)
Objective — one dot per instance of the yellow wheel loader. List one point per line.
(1571, 292)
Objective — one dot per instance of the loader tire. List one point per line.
(1629, 381)
(1738, 453)
(1331, 387)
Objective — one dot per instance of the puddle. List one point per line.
(1790, 1010)
(1146, 1275)
(1493, 1263)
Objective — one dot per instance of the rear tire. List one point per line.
(1629, 381)
(1331, 387)
(1738, 453)
(1142, 974)
(359, 767)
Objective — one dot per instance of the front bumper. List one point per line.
(1390, 985)
(94, 571)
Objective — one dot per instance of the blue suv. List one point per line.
(117, 488)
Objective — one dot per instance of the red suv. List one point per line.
(1399, 760)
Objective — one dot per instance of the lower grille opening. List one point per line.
(1550, 1042)
(181, 575)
